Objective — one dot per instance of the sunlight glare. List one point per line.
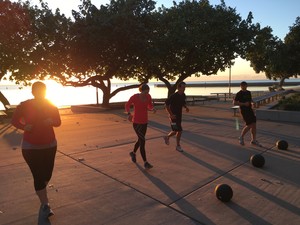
(62, 96)
(54, 92)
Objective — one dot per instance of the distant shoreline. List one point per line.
(235, 84)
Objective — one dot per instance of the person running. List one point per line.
(37, 117)
(141, 102)
(174, 105)
(244, 99)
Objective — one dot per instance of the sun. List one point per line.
(55, 92)
(65, 96)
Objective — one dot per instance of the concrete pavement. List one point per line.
(95, 182)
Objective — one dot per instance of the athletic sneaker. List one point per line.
(178, 148)
(166, 138)
(241, 140)
(255, 142)
(147, 165)
(45, 211)
(133, 158)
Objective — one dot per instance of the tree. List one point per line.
(278, 59)
(194, 38)
(28, 44)
(260, 48)
(292, 40)
(106, 43)
(15, 39)
(129, 39)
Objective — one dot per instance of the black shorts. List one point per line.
(176, 124)
(248, 116)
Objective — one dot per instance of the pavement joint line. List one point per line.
(157, 200)
(110, 146)
(20, 163)
(133, 188)
(102, 147)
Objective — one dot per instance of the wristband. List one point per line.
(128, 113)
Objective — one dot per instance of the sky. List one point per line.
(278, 14)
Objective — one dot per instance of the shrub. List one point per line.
(291, 103)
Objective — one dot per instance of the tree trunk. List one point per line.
(281, 82)
(105, 99)
(106, 94)
(172, 89)
(105, 88)
(4, 100)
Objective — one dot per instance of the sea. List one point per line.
(64, 97)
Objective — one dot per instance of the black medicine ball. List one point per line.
(282, 145)
(223, 192)
(257, 160)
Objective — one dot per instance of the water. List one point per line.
(66, 96)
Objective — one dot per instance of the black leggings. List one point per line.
(41, 163)
(140, 130)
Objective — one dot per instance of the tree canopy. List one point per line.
(195, 38)
(292, 40)
(132, 39)
(15, 41)
(33, 43)
(107, 43)
(278, 59)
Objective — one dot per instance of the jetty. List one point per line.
(236, 84)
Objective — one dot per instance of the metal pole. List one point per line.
(229, 81)
(97, 97)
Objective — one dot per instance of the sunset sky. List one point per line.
(277, 14)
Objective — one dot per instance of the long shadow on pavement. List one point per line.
(184, 205)
(264, 194)
(229, 151)
(247, 215)
(14, 138)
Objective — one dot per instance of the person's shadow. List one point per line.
(13, 138)
(186, 208)
(43, 221)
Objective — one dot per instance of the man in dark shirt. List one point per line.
(244, 99)
(174, 106)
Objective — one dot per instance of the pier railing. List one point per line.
(269, 97)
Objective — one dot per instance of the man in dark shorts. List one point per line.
(174, 106)
(244, 99)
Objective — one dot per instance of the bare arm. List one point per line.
(186, 108)
(17, 119)
(241, 103)
(168, 110)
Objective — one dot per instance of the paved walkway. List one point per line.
(95, 182)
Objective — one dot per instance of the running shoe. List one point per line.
(241, 141)
(133, 158)
(166, 138)
(255, 142)
(147, 165)
(178, 148)
(46, 211)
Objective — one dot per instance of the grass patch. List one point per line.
(291, 103)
